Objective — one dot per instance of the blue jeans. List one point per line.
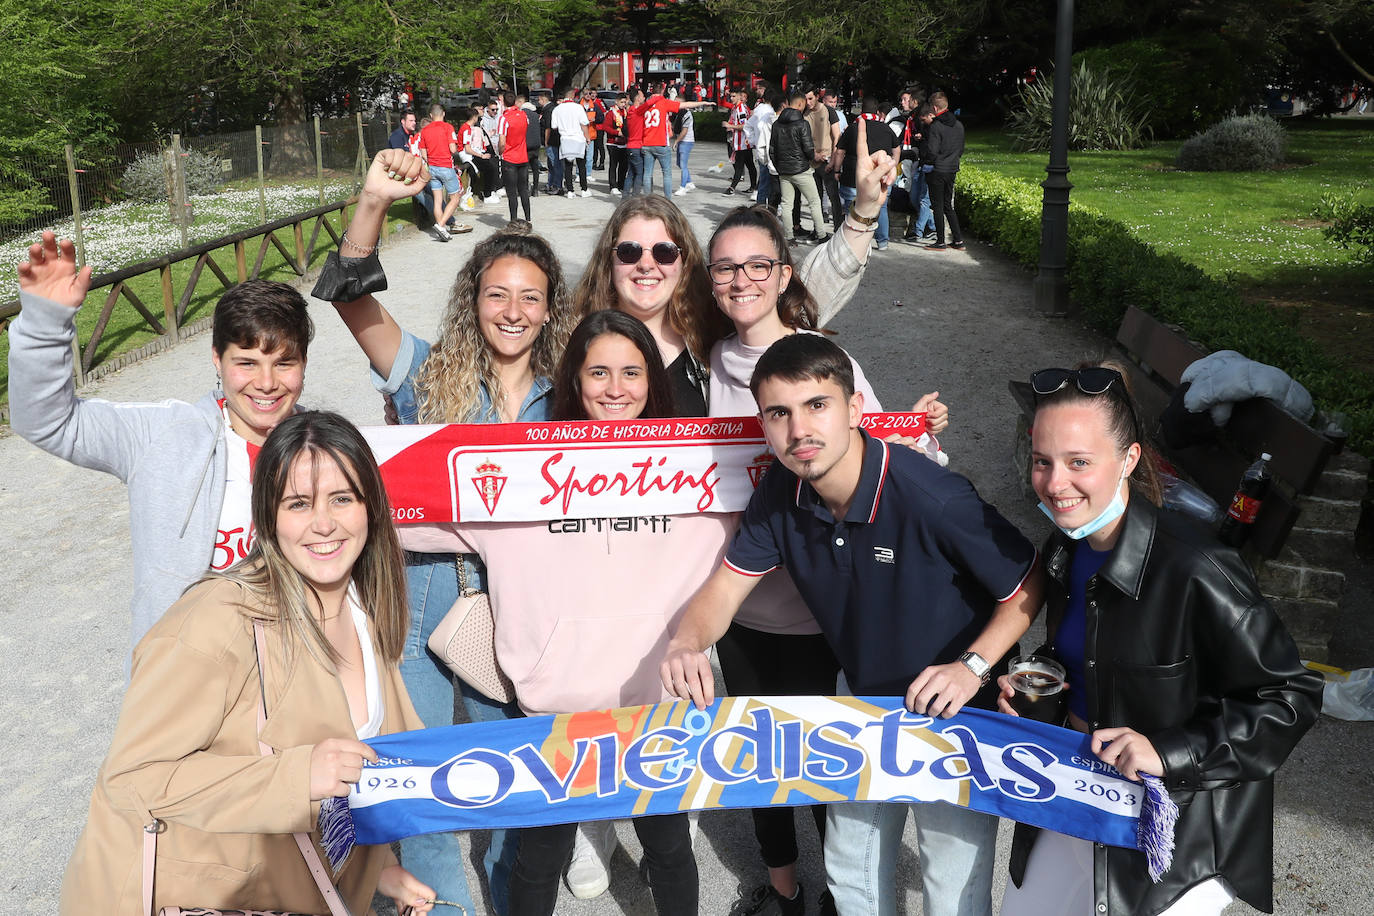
(661, 156)
(765, 185)
(555, 167)
(435, 858)
(446, 178)
(957, 847)
(847, 195)
(634, 179)
(684, 150)
(920, 202)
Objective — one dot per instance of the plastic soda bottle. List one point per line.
(1245, 505)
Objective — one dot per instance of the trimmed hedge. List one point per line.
(709, 125)
(1109, 268)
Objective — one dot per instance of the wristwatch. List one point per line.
(866, 221)
(978, 665)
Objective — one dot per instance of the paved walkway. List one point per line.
(965, 324)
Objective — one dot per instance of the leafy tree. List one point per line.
(44, 103)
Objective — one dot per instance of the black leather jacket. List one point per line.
(1182, 647)
(791, 147)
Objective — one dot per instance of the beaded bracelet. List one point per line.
(356, 247)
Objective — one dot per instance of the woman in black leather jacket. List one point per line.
(1177, 667)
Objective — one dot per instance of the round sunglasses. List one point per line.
(631, 252)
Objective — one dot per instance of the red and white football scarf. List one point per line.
(515, 472)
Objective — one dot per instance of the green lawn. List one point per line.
(127, 330)
(1255, 229)
(1239, 224)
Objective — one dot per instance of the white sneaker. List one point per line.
(500, 193)
(681, 192)
(441, 233)
(587, 876)
(691, 185)
(615, 191)
(587, 193)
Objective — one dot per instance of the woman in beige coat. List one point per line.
(325, 578)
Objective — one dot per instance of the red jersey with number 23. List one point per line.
(656, 111)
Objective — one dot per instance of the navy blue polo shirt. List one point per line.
(907, 579)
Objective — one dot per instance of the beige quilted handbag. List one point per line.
(465, 640)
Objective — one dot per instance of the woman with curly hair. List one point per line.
(500, 340)
(573, 649)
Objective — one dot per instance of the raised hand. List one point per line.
(395, 175)
(51, 272)
(873, 174)
(936, 411)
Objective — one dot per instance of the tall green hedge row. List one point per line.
(1110, 269)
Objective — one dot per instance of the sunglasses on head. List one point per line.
(1091, 380)
(631, 252)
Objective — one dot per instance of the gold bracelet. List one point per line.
(865, 220)
(873, 227)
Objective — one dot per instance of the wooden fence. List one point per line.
(298, 251)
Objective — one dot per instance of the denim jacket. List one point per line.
(400, 388)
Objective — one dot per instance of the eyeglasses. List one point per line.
(630, 252)
(758, 270)
(1090, 380)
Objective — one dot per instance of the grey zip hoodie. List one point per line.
(170, 455)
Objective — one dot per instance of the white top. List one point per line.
(569, 118)
(234, 537)
(372, 687)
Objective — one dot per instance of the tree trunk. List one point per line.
(292, 143)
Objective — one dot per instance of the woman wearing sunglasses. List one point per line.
(499, 342)
(1177, 667)
(647, 262)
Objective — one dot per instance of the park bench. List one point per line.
(1305, 529)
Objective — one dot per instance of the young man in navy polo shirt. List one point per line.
(919, 585)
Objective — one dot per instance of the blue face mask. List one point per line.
(1114, 511)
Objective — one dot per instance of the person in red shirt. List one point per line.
(634, 144)
(656, 111)
(438, 143)
(511, 129)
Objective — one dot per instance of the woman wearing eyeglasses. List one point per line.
(1177, 667)
(647, 262)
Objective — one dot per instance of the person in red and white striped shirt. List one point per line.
(741, 150)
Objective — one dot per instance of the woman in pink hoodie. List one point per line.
(584, 607)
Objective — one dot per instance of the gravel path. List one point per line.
(965, 325)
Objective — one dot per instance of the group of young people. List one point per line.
(314, 637)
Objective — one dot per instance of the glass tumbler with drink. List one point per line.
(1038, 682)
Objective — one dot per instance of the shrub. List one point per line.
(708, 124)
(1103, 113)
(146, 179)
(1175, 102)
(1110, 268)
(1240, 144)
(1354, 229)
(1334, 205)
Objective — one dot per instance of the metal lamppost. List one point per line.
(1051, 285)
